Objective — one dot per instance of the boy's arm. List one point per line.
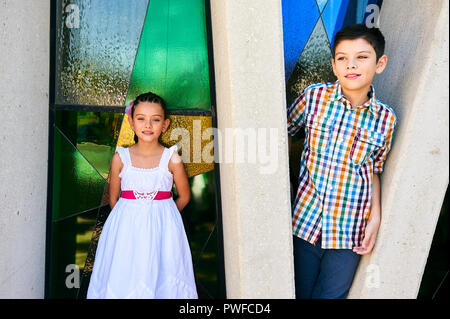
(373, 224)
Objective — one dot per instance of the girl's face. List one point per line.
(148, 121)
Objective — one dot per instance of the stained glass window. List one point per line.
(105, 54)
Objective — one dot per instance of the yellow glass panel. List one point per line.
(193, 136)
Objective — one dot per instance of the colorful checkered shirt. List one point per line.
(344, 146)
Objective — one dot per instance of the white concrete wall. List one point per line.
(416, 175)
(249, 69)
(24, 78)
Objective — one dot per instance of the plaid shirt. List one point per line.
(344, 146)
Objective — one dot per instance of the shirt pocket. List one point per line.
(365, 143)
(319, 131)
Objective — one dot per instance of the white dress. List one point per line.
(143, 250)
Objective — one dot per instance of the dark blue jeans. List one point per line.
(323, 273)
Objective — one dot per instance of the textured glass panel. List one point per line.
(96, 43)
(94, 134)
(70, 243)
(299, 18)
(200, 219)
(172, 60)
(188, 132)
(313, 66)
(77, 185)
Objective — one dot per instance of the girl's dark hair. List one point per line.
(361, 31)
(152, 98)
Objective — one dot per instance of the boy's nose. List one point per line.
(351, 64)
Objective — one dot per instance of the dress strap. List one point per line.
(167, 155)
(124, 154)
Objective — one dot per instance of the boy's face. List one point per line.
(355, 64)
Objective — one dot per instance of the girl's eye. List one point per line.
(140, 118)
(341, 58)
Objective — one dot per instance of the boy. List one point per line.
(337, 209)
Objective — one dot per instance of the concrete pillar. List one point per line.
(249, 69)
(24, 78)
(415, 84)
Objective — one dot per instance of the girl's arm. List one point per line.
(114, 180)
(180, 179)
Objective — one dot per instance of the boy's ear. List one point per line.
(333, 65)
(381, 64)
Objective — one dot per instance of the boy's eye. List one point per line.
(362, 57)
(156, 120)
(340, 58)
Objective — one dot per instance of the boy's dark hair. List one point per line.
(152, 98)
(361, 31)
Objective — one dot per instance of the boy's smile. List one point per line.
(355, 64)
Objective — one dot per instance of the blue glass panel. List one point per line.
(321, 4)
(339, 13)
(333, 17)
(299, 18)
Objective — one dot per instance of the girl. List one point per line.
(143, 251)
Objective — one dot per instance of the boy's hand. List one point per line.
(373, 224)
(370, 236)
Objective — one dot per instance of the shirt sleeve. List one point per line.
(296, 114)
(381, 155)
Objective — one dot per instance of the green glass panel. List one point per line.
(172, 59)
(71, 238)
(94, 134)
(207, 270)
(200, 219)
(96, 43)
(77, 185)
(103, 213)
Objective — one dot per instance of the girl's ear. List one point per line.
(166, 125)
(130, 120)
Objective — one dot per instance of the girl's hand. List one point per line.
(180, 179)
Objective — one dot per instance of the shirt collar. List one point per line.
(372, 103)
